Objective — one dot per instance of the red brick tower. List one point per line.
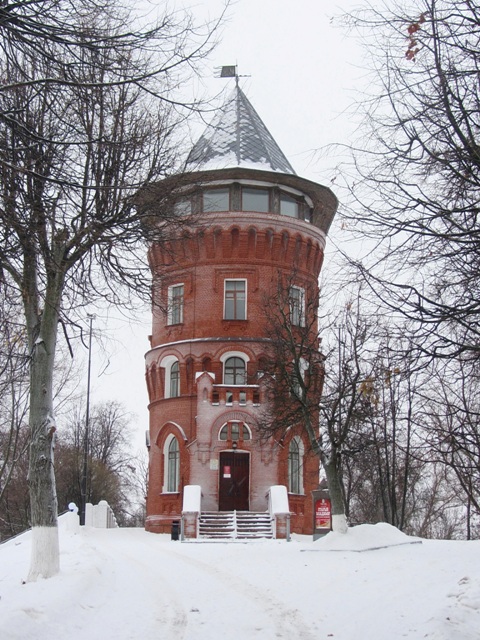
(254, 219)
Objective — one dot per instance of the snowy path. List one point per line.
(126, 584)
(186, 598)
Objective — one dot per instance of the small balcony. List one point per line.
(239, 396)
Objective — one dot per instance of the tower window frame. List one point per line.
(216, 200)
(235, 371)
(234, 430)
(296, 299)
(174, 391)
(171, 365)
(235, 299)
(289, 205)
(182, 207)
(175, 303)
(256, 199)
(171, 453)
(296, 452)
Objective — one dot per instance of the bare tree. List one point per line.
(111, 464)
(415, 181)
(452, 429)
(298, 372)
(112, 469)
(82, 127)
(346, 402)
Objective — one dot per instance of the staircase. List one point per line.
(234, 525)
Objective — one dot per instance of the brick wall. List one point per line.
(259, 248)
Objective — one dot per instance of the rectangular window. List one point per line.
(183, 207)
(255, 200)
(175, 304)
(297, 306)
(235, 300)
(288, 206)
(216, 199)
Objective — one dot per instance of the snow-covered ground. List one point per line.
(374, 583)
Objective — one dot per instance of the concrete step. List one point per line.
(244, 525)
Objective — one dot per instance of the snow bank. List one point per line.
(365, 537)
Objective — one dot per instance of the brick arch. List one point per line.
(298, 251)
(206, 361)
(191, 245)
(318, 259)
(241, 349)
(189, 372)
(155, 375)
(171, 428)
(170, 352)
(252, 234)
(311, 251)
(152, 376)
(263, 359)
(269, 241)
(231, 416)
(209, 241)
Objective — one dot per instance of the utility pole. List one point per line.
(90, 316)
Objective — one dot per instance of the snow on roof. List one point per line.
(237, 137)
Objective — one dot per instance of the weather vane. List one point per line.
(229, 71)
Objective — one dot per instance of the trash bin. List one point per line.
(175, 530)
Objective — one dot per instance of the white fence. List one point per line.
(100, 516)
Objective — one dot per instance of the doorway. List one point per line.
(234, 481)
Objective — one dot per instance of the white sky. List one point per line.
(303, 73)
(373, 583)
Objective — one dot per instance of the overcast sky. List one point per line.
(303, 74)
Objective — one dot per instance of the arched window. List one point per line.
(234, 371)
(234, 430)
(172, 465)
(174, 380)
(295, 466)
(172, 376)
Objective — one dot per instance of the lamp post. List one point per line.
(90, 316)
(234, 475)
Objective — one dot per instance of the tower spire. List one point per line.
(237, 137)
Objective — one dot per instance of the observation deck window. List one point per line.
(183, 207)
(289, 206)
(216, 199)
(255, 200)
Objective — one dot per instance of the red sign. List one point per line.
(227, 472)
(323, 514)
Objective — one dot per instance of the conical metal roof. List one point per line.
(237, 137)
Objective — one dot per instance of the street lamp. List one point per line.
(90, 316)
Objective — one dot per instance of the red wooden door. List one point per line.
(234, 483)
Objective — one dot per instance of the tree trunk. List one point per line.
(339, 520)
(41, 478)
